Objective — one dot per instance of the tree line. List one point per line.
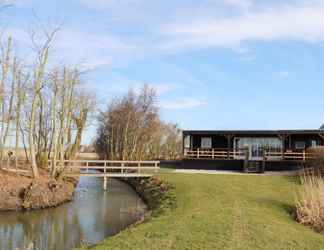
(46, 109)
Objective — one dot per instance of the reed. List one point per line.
(310, 202)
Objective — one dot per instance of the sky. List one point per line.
(216, 64)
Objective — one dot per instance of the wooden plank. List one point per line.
(110, 167)
(109, 175)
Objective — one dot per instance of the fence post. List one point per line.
(87, 165)
(213, 153)
(139, 167)
(197, 152)
(122, 167)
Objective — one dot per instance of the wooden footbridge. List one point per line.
(106, 169)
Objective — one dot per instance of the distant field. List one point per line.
(88, 156)
(224, 212)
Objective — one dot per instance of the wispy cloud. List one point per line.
(182, 103)
(304, 23)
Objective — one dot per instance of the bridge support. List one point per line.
(105, 183)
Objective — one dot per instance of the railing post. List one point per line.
(197, 152)
(304, 155)
(213, 153)
(122, 167)
(156, 167)
(87, 165)
(139, 167)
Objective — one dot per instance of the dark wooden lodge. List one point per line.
(249, 150)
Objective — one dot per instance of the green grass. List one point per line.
(223, 212)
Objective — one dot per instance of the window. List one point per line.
(299, 144)
(206, 142)
(187, 141)
(313, 143)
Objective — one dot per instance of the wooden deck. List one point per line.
(223, 154)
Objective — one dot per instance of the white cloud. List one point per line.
(304, 23)
(95, 49)
(163, 88)
(182, 103)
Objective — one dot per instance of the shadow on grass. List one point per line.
(288, 208)
(293, 179)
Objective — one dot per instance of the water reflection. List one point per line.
(91, 217)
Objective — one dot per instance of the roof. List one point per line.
(253, 132)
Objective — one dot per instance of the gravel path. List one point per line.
(230, 172)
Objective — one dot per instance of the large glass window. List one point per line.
(206, 142)
(257, 145)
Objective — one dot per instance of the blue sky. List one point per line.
(216, 64)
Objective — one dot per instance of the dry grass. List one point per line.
(310, 202)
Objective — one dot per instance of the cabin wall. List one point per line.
(220, 141)
(217, 141)
(290, 142)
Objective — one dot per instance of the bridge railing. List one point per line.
(109, 167)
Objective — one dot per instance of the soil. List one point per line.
(20, 192)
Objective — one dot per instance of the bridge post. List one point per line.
(105, 178)
(105, 182)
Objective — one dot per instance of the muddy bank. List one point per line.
(19, 192)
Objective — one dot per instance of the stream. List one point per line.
(92, 216)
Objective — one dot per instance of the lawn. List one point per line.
(223, 212)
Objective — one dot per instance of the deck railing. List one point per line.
(221, 153)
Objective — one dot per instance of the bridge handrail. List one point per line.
(108, 161)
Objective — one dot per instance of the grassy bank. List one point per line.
(223, 212)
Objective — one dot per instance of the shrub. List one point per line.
(310, 202)
(315, 164)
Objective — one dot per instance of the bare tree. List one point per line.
(45, 108)
(131, 129)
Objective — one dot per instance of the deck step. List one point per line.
(253, 166)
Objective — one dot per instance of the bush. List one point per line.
(315, 164)
(310, 202)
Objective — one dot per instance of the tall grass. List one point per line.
(310, 202)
